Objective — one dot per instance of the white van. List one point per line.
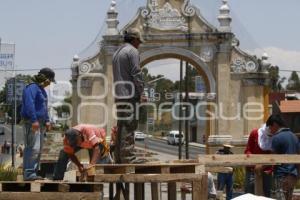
(173, 137)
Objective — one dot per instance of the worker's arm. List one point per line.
(75, 160)
(96, 154)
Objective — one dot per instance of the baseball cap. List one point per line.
(228, 145)
(135, 33)
(49, 73)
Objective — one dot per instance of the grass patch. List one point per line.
(8, 173)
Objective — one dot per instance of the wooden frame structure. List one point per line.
(191, 171)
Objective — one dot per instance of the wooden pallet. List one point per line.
(51, 195)
(154, 173)
(49, 186)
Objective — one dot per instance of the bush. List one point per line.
(239, 177)
(8, 174)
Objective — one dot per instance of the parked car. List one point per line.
(173, 137)
(138, 135)
(2, 132)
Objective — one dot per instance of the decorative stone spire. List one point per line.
(224, 17)
(265, 64)
(112, 20)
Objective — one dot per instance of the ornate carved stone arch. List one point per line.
(180, 53)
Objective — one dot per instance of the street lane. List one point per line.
(160, 145)
(7, 136)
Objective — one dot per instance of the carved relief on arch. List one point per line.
(242, 62)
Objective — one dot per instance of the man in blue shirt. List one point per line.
(36, 121)
(283, 142)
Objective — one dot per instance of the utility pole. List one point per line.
(180, 113)
(13, 132)
(187, 155)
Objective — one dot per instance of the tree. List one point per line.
(63, 108)
(293, 82)
(191, 80)
(7, 108)
(275, 80)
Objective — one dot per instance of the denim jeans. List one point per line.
(284, 187)
(225, 179)
(32, 155)
(250, 181)
(127, 124)
(63, 160)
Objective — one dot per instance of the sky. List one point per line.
(48, 33)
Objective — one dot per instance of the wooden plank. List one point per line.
(199, 189)
(0, 187)
(165, 170)
(219, 169)
(146, 178)
(97, 188)
(63, 188)
(139, 191)
(35, 187)
(200, 169)
(51, 195)
(70, 176)
(243, 160)
(172, 191)
(258, 186)
(155, 191)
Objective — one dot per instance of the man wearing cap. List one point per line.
(129, 86)
(83, 136)
(284, 141)
(36, 121)
(226, 179)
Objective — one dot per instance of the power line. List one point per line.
(34, 69)
(288, 70)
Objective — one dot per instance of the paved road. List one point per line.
(159, 145)
(7, 137)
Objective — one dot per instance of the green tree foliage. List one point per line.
(63, 108)
(293, 82)
(275, 80)
(7, 108)
(192, 72)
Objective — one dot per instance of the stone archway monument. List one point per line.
(176, 29)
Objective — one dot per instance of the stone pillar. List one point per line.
(254, 105)
(222, 134)
(110, 101)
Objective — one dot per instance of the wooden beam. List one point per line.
(172, 191)
(51, 195)
(145, 178)
(200, 190)
(258, 186)
(35, 187)
(244, 160)
(155, 191)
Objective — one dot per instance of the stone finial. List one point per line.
(265, 64)
(74, 66)
(112, 20)
(224, 17)
(75, 58)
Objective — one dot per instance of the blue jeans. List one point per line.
(225, 179)
(250, 183)
(63, 160)
(31, 156)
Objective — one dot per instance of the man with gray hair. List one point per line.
(129, 86)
